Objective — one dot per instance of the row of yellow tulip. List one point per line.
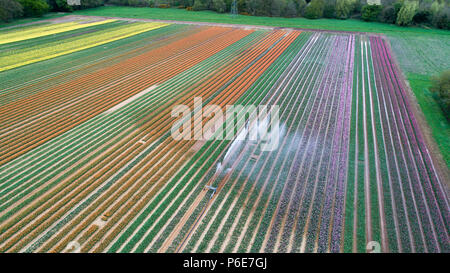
(55, 49)
(47, 30)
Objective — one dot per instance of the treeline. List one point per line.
(434, 13)
(11, 9)
(401, 12)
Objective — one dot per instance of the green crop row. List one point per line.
(159, 224)
(136, 106)
(278, 67)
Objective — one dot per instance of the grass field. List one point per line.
(210, 16)
(421, 58)
(87, 153)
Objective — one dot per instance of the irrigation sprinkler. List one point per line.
(213, 190)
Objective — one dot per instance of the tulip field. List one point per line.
(88, 163)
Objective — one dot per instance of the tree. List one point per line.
(34, 8)
(356, 6)
(388, 14)
(199, 5)
(314, 9)
(370, 12)
(219, 6)
(423, 16)
(59, 5)
(437, 6)
(10, 9)
(407, 12)
(301, 6)
(276, 7)
(291, 9)
(440, 87)
(125, 2)
(442, 19)
(329, 10)
(138, 3)
(343, 9)
(90, 3)
(252, 6)
(241, 5)
(259, 7)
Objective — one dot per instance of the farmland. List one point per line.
(421, 52)
(87, 156)
(420, 58)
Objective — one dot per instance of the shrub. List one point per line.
(371, 12)
(10, 9)
(442, 20)
(422, 17)
(440, 86)
(219, 5)
(343, 9)
(32, 8)
(406, 13)
(388, 14)
(314, 9)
